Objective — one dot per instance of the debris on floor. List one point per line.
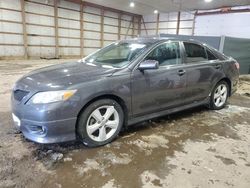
(192, 148)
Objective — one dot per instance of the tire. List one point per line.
(219, 96)
(100, 123)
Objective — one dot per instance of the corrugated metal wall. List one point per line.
(49, 32)
(168, 23)
(40, 29)
(11, 39)
(35, 28)
(233, 24)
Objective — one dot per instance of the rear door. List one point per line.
(203, 68)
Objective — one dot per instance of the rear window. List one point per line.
(210, 55)
(195, 52)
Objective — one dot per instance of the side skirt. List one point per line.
(166, 112)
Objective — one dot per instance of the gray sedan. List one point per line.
(122, 84)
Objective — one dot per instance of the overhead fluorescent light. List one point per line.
(132, 4)
(156, 11)
(208, 1)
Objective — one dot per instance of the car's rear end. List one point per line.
(231, 69)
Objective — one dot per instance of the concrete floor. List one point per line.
(194, 148)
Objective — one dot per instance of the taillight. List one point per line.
(237, 65)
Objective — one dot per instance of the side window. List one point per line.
(210, 55)
(195, 52)
(166, 54)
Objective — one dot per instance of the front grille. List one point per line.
(20, 94)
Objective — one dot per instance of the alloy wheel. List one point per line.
(102, 123)
(220, 95)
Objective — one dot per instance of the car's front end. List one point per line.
(45, 103)
(40, 118)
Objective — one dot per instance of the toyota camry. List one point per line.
(122, 84)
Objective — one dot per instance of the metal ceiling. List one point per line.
(144, 7)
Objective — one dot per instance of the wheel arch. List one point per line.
(116, 98)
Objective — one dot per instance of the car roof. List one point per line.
(154, 40)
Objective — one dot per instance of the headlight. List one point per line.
(52, 96)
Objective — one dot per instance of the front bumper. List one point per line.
(48, 132)
(50, 123)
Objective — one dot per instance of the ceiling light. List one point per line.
(132, 4)
(208, 1)
(155, 11)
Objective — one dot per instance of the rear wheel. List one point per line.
(219, 96)
(100, 122)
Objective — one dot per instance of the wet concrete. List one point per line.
(193, 148)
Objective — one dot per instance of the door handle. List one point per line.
(217, 66)
(181, 72)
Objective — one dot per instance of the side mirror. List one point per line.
(148, 65)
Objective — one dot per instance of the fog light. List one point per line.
(36, 129)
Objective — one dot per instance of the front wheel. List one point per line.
(219, 96)
(100, 122)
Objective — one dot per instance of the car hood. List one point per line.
(62, 76)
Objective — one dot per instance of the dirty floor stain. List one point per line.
(192, 148)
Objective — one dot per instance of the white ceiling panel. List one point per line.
(148, 6)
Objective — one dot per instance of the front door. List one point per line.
(159, 89)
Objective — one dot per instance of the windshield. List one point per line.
(116, 55)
